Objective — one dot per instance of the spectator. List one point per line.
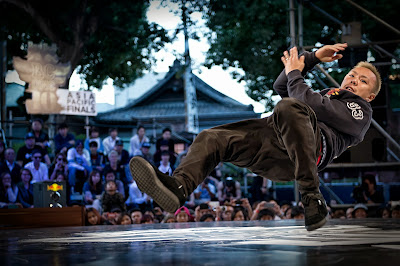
(360, 211)
(367, 192)
(61, 177)
(93, 189)
(39, 170)
(63, 140)
(136, 215)
(93, 217)
(41, 137)
(110, 176)
(240, 214)
(208, 217)
(25, 189)
(297, 213)
(229, 190)
(204, 192)
(166, 136)
(112, 217)
(266, 215)
(396, 212)
(182, 215)
(200, 210)
(145, 152)
(137, 141)
(24, 154)
(112, 199)
(259, 188)
(226, 214)
(8, 191)
(96, 158)
(165, 166)
(109, 142)
(9, 165)
(126, 219)
(349, 213)
(78, 165)
(60, 164)
(138, 199)
(164, 147)
(117, 169)
(123, 155)
(339, 214)
(2, 150)
(284, 206)
(169, 218)
(277, 209)
(94, 136)
(147, 219)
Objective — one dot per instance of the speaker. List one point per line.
(50, 194)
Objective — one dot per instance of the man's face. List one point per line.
(36, 126)
(36, 157)
(111, 188)
(114, 134)
(165, 158)
(9, 155)
(93, 149)
(63, 131)
(166, 135)
(164, 148)
(136, 217)
(118, 148)
(30, 143)
(360, 81)
(360, 213)
(110, 176)
(145, 150)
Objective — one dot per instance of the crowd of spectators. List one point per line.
(96, 175)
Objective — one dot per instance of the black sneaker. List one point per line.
(315, 211)
(162, 188)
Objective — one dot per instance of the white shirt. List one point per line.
(109, 144)
(80, 159)
(136, 144)
(135, 195)
(165, 169)
(41, 174)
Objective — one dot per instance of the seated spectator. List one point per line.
(297, 213)
(126, 219)
(339, 214)
(396, 212)
(25, 189)
(145, 152)
(208, 217)
(165, 166)
(266, 215)
(112, 199)
(229, 190)
(117, 169)
(78, 165)
(60, 164)
(226, 213)
(200, 210)
(349, 213)
(8, 191)
(136, 215)
(63, 140)
(93, 190)
(112, 217)
(147, 219)
(2, 150)
(41, 137)
(24, 154)
(93, 217)
(204, 192)
(61, 177)
(368, 192)
(244, 203)
(158, 214)
(111, 176)
(360, 211)
(123, 155)
(169, 218)
(166, 137)
(39, 170)
(10, 165)
(240, 214)
(288, 213)
(97, 160)
(109, 142)
(277, 209)
(136, 142)
(164, 147)
(94, 137)
(182, 215)
(284, 206)
(138, 199)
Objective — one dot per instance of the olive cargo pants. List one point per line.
(282, 147)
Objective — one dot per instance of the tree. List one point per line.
(102, 39)
(252, 34)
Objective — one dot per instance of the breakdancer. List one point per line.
(306, 131)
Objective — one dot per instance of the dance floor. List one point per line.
(340, 242)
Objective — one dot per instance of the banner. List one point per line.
(77, 102)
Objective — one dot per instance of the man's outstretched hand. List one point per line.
(327, 53)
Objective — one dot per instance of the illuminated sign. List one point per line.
(54, 187)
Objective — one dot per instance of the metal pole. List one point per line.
(10, 126)
(300, 18)
(374, 17)
(380, 49)
(3, 71)
(292, 24)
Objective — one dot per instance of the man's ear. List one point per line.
(371, 97)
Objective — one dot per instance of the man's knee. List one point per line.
(288, 104)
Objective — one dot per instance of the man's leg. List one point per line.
(296, 124)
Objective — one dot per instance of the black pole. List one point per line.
(3, 71)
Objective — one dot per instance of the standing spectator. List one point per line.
(229, 190)
(63, 140)
(39, 170)
(60, 164)
(109, 142)
(24, 154)
(96, 158)
(41, 137)
(25, 189)
(93, 189)
(204, 192)
(123, 155)
(137, 141)
(9, 165)
(164, 147)
(94, 136)
(78, 165)
(165, 165)
(112, 199)
(144, 152)
(166, 135)
(2, 150)
(8, 190)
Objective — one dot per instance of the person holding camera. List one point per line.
(368, 192)
(229, 190)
